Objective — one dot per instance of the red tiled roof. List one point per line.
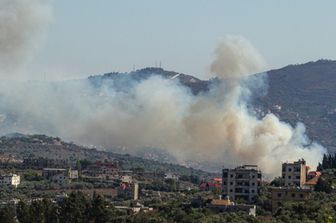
(313, 181)
(315, 173)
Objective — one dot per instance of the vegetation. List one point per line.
(192, 207)
(328, 162)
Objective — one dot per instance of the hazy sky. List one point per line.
(92, 37)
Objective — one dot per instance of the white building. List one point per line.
(9, 180)
(171, 176)
(73, 174)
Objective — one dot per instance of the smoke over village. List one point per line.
(157, 112)
(179, 111)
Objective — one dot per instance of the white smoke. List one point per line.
(21, 23)
(214, 126)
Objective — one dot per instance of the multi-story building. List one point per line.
(9, 180)
(60, 176)
(103, 170)
(242, 182)
(294, 174)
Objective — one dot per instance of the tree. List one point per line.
(74, 209)
(323, 185)
(99, 213)
(23, 212)
(7, 215)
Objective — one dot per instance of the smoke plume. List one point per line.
(214, 126)
(21, 22)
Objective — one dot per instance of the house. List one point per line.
(9, 180)
(60, 176)
(214, 184)
(48, 173)
(312, 179)
(210, 186)
(171, 176)
(242, 182)
(103, 170)
(225, 205)
(285, 194)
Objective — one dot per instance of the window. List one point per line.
(289, 177)
(279, 194)
(231, 190)
(252, 191)
(253, 176)
(231, 175)
(297, 177)
(253, 184)
(301, 195)
(231, 183)
(289, 169)
(293, 195)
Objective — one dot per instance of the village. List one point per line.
(235, 190)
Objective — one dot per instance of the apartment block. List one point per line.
(242, 182)
(294, 174)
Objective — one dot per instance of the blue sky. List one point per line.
(91, 37)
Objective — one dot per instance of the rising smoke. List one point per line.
(21, 23)
(214, 126)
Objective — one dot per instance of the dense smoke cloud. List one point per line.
(215, 126)
(21, 22)
(235, 58)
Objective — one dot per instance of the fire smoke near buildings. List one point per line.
(214, 126)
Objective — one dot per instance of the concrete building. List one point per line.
(9, 180)
(242, 182)
(294, 174)
(60, 176)
(48, 173)
(103, 170)
(225, 205)
(135, 191)
(280, 195)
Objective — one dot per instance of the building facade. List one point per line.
(242, 182)
(60, 176)
(294, 174)
(103, 170)
(280, 195)
(9, 180)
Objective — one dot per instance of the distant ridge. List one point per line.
(120, 79)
